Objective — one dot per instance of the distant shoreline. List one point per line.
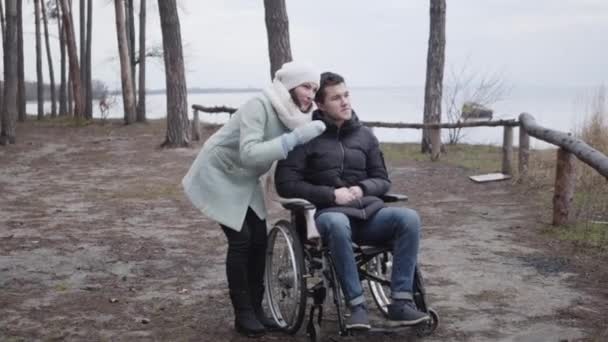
(200, 91)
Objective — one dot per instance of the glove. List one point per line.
(301, 135)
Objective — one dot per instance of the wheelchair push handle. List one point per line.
(390, 198)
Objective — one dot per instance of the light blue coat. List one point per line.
(224, 179)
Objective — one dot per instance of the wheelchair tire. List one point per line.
(285, 282)
(337, 295)
(427, 328)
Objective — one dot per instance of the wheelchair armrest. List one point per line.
(389, 198)
(296, 204)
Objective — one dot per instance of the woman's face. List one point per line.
(303, 95)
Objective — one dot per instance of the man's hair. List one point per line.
(327, 79)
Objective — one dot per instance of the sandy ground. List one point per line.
(98, 243)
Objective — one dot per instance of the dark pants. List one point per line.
(245, 262)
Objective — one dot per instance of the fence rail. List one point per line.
(565, 176)
(569, 147)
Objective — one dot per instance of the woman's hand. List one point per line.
(309, 131)
(301, 135)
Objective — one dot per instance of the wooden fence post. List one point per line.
(196, 127)
(565, 180)
(524, 153)
(507, 150)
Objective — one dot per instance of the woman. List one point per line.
(224, 180)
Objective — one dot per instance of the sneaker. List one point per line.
(404, 313)
(358, 319)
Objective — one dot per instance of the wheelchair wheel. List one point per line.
(427, 328)
(337, 294)
(285, 283)
(381, 267)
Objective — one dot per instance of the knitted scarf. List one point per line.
(288, 112)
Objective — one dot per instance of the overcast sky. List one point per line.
(380, 43)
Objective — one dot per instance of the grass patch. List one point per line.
(60, 121)
(479, 158)
(61, 287)
(590, 203)
(586, 234)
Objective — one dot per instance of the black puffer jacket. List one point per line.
(340, 157)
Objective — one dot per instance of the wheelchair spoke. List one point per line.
(286, 294)
(379, 270)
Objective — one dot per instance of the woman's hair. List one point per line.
(327, 79)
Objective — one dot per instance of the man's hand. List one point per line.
(343, 196)
(356, 191)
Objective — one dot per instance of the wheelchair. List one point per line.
(298, 268)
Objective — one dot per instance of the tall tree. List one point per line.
(128, 94)
(88, 79)
(20, 65)
(277, 27)
(70, 93)
(130, 27)
(82, 28)
(39, 77)
(70, 38)
(2, 25)
(63, 108)
(2, 22)
(141, 99)
(49, 59)
(8, 117)
(178, 133)
(431, 139)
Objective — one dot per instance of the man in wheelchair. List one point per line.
(342, 172)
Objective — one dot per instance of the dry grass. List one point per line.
(590, 217)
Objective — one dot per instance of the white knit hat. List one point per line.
(292, 74)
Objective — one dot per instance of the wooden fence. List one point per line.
(569, 147)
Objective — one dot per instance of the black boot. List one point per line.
(255, 276)
(245, 321)
(256, 301)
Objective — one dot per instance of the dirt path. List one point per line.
(97, 242)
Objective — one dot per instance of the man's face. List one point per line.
(337, 103)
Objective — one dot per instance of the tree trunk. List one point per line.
(178, 133)
(128, 96)
(70, 95)
(63, 110)
(2, 26)
(83, 43)
(39, 77)
(141, 99)
(89, 79)
(434, 77)
(2, 22)
(73, 59)
(277, 27)
(20, 65)
(130, 26)
(8, 118)
(49, 60)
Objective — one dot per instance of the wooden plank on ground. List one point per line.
(489, 177)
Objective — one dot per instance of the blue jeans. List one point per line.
(401, 226)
